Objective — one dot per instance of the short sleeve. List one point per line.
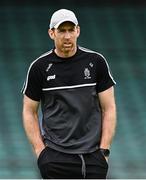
(104, 76)
(32, 85)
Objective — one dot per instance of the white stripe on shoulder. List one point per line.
(90, 51)
(26, 81)
(69, 87)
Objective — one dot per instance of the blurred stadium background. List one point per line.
(118, 31)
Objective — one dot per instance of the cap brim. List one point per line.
(65, 20)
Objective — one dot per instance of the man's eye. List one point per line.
(71, 30)
(61, 30)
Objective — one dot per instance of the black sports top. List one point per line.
(68, 90)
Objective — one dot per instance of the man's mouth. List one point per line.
(67, 44)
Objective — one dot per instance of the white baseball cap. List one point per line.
(61, 16)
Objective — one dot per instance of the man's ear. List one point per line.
(78, 31)
(51, 33)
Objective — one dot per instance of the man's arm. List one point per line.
(108, 107)
(31, 124)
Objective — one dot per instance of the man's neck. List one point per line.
(65, 54)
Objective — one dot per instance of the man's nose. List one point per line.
(67, 35)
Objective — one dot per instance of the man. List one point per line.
(75, 88)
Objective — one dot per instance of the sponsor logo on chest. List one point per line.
(51, 77)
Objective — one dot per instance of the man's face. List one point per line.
(65, 37)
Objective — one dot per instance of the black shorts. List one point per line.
(58, 165)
